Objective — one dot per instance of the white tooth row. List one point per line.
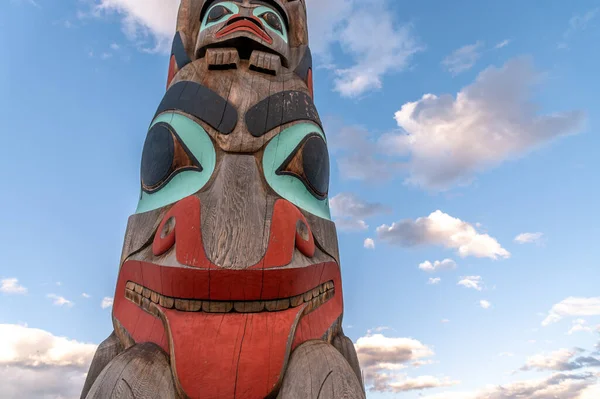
(148, 299)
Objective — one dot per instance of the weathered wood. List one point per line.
(345, 346)
(141, 372)
(105, 353)
(238, 265)
(318, 371)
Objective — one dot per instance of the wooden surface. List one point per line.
(318, 371)
(107, 351)
(141, 372)
(223, 291)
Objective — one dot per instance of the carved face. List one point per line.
(245, 25)
(231, 259)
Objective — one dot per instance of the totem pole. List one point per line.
(229, 284)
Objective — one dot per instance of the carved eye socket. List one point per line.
(272, 20)
(310, 163)
(163, 156)
(217, 12)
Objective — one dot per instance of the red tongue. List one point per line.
(244, 353)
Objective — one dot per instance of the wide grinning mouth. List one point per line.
(150, 301)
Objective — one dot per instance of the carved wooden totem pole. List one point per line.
(230, 284)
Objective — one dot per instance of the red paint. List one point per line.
(244, 25)
(209, 350)
(172, 71)
(283, 239)
(229, 355)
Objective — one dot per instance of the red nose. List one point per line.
(181, 226)
(250, 24)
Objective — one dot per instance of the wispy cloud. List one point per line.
(60, 301)
(434, 281)
(429, 267)
(502, 44)
(573, 307)
(350, 211)
(12, 286)
(578, 23)
(529, 238)
(464, 58)
(473, 282)
(485, 304)
(107, 302)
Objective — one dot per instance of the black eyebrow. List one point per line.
(201, 102)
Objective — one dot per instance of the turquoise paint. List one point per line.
(231, 6)
(261, 10)
(190, 181)
(290, 187)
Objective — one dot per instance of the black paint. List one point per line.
(305, 65)
(178, 50)
(158, 155)
(279, 109)
(315, 165)
(201, 102)
(315, 159)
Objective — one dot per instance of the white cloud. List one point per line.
(464, 58)
(346, 205)
(36, 364)
(573, 307)
(560, 360)
(107, 302)
(369, 243)
(474, 282)
(60, 301)
(12, 286)
(580, 325)
(434, 281)
(446, 264)
(502, 44)
(528, 238)
(556, 386)
(442, 229)
(485, 304)
(86, 296)
(448, 140)
(445, 321)
(382, 358)
(351, 225)
(144, 19)
(387, 48)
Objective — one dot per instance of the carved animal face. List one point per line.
(244, 25)
(231, 259)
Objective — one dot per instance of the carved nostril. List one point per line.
(302, 230)
(168, 227)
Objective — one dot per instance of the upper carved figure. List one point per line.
(230, 283)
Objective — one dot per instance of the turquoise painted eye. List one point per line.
(178, 160)
(272, 20)
(218, 13)
(296, 165)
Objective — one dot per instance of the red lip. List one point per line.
(244, 25)
(214, 353)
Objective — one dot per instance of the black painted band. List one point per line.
(305, 65)
(201, 102)
(178, 50)
(279, 109)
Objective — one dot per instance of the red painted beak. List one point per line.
(245, 24)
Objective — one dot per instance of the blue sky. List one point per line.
(454, 129)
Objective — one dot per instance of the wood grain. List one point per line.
(318, 371)
(346, 347)
(141, 372)
(106, 352)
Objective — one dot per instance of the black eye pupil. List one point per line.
(316, 164)
(157, 158)
(217, 13)
(273, 21)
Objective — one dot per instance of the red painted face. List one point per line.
(229, 332)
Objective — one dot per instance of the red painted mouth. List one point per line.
(222, 350)
(245, 25)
